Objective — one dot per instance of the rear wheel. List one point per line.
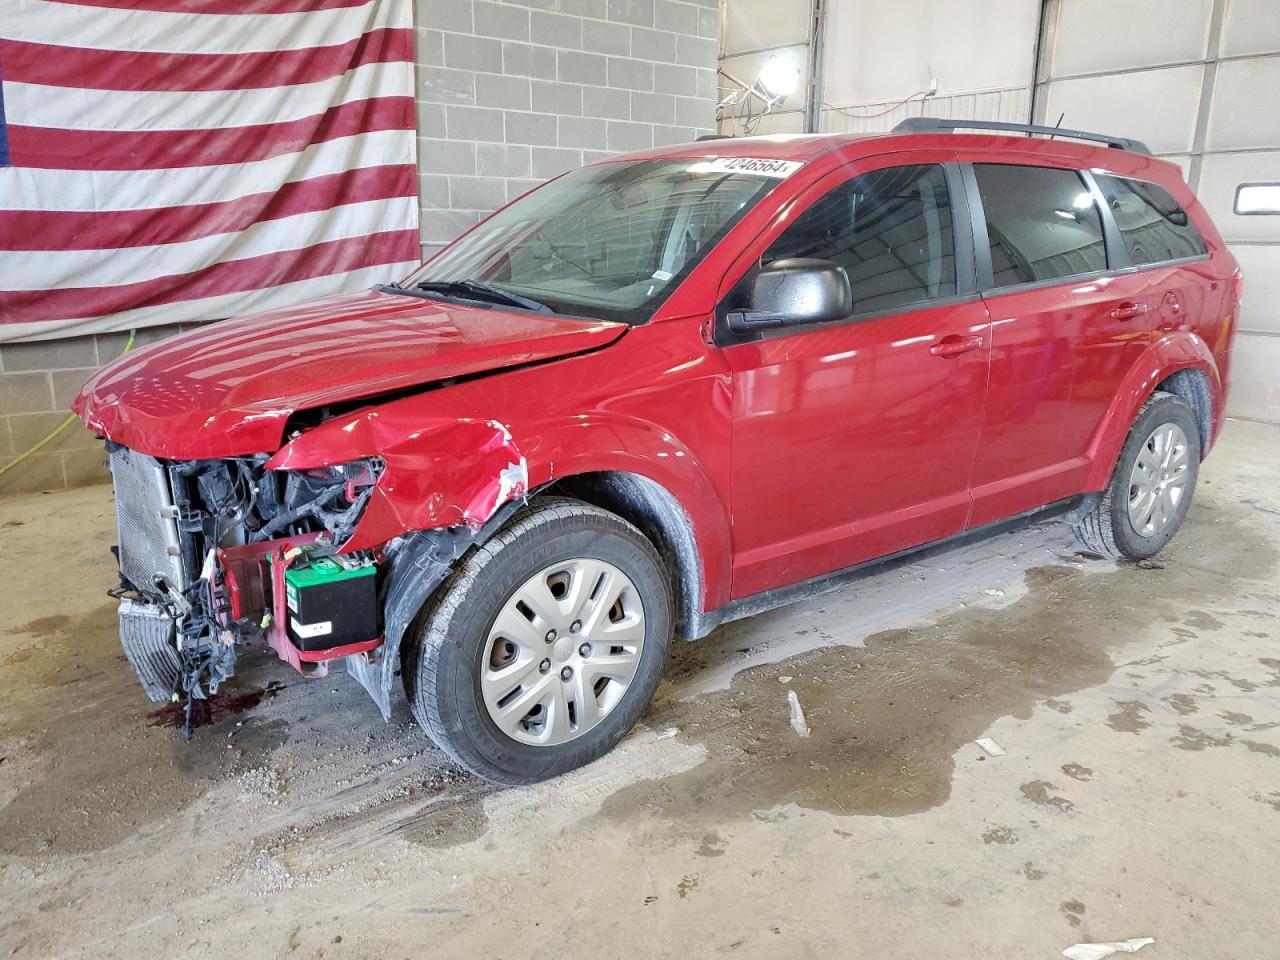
(545, 647)
(1150, 490)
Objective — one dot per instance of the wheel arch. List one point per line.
(660, 516)
(1181, 364)
(1192, 385)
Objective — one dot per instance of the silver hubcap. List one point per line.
(1159, 480)
(562, 651)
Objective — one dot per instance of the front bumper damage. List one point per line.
(204, 551)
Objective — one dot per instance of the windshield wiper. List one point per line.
(475, 289)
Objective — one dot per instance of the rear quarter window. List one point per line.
(1152, 224)
(1042, 223)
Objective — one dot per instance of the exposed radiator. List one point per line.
(146, 520)
(147, 635)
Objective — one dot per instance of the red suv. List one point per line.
(659, 393)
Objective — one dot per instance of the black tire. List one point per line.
(442, 658)
(1107, 530)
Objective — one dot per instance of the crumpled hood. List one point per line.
(227, 389)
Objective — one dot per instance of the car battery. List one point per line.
(332, 601)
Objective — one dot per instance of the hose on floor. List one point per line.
(58, 430)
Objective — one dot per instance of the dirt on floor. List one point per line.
(1137, 707)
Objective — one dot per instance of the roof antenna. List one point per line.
(1057, 125)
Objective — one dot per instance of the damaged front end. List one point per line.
(204, 551)
(319, 551)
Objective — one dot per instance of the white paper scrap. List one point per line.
(1100, 951)
(798, 723)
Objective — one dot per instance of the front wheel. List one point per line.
(1150, 490)
(546, 645)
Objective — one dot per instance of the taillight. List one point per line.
(1237, 280)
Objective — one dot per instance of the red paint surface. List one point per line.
(791, 457)
(227, 389)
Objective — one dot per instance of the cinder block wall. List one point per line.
(509, 95)
(37, 384)
(513, 93)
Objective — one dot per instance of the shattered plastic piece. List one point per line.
(785, 679)
(1099, 951)
(668, 733)
(990, 746)
(994, 592)
(798, 723)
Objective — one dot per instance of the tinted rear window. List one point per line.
(1153, 225)
(1042, 223)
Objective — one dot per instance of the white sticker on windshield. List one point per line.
(759, 166)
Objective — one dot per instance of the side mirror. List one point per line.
(794, 291)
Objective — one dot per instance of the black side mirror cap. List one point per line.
(794, 291)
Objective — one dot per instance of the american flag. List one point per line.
(168, 161)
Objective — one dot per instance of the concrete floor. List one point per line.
(1139, 706)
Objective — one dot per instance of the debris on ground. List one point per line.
(1099, 951)
(992, 748)
(798, 723)
(994, 592)
(785, 679)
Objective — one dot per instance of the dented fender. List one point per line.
(445, 472)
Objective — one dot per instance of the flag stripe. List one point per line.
(134, 31)
(169, 110)
(78, 230)
(60, 66)
(222, 7)
(57, 269)
(107, 191)
(231, 276)
(154, 149)
(223, 305)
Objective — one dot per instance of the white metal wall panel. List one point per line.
(753, 24)
(1012, 105)
(1165, 99)
(879, 52)
(1251, 26)
(1261, 288)
(1219, 177)
(1255, 388)
(1245, 113)
(1104, 35)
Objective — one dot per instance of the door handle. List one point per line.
(954, 345)
(1172, 302)
(1127, 311)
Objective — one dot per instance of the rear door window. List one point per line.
(1154, 227)
(890, 229)
(1042, 223)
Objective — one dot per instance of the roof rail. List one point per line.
(937, 124)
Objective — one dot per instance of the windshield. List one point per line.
(611, 240)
